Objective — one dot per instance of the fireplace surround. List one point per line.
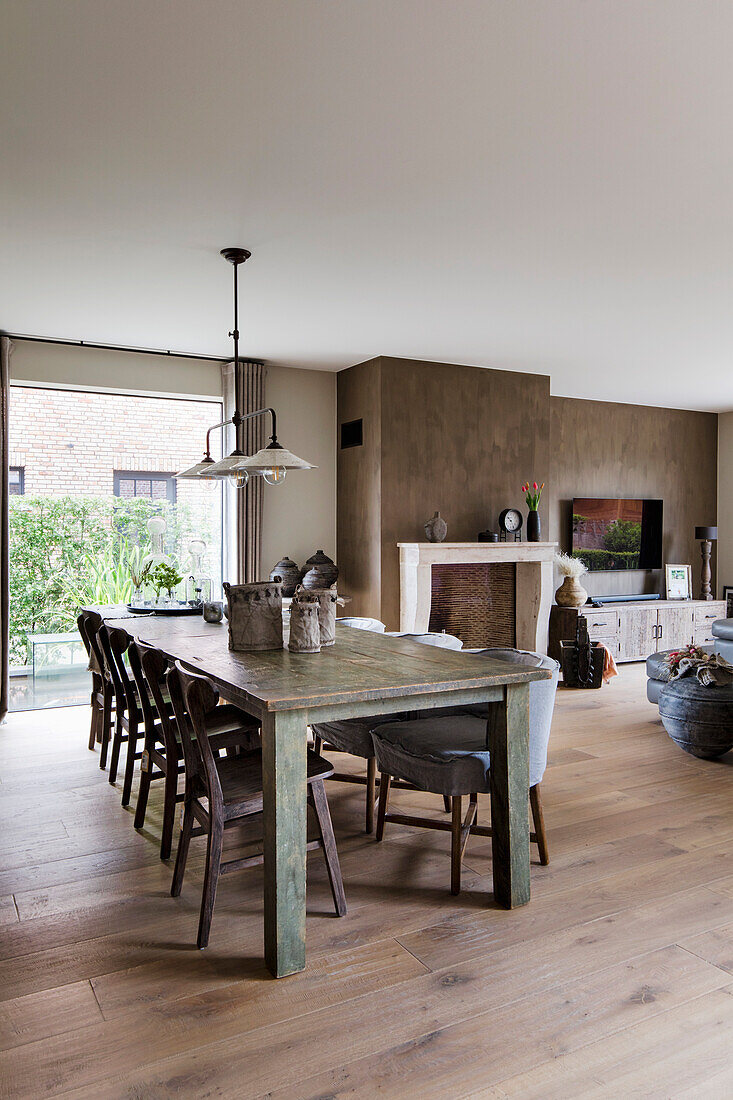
(452, 586)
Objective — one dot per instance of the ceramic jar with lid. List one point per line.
(288, 573)
(320, 571)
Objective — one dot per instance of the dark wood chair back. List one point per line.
(144, 691)
(81, 627)
(153, 666)
(90, 623)
(115, 644)
(194, 698)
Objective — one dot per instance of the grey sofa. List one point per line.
(723, 634)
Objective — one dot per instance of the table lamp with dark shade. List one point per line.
(706, 535)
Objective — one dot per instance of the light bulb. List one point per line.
(241, 479)
(275, 475)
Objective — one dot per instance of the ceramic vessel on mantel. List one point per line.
(319, 571)
(571, 593)
(534, 532)
(288, 572)
(436, 528)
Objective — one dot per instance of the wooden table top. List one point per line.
(361, 665)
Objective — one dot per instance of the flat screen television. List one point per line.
(617, 533)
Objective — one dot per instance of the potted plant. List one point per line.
(165, 576)
(571, 592)
(139, 575)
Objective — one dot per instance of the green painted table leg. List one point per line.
(508, 733)
(284, 747)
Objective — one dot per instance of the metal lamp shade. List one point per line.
(269, 457)
(227, 467)
(710, 533)
(201, 471)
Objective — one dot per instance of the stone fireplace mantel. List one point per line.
(534, 582)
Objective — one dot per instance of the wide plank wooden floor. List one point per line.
(616, 980)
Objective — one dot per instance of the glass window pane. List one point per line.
(88, 514)
(15, 480)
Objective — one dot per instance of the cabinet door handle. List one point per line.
(659, 635)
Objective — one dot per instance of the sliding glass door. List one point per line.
(88, 470)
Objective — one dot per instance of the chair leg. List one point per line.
(446, 803)
(371, 792)
(384, 785)
(182, 853)
(146, 767)
(455, 848)
(116, 745)
(317, 744)
(169, 808)
(130, 761)
(319, 802)
(214, 847)
(538, 819)
(94, 722)
(106, 729)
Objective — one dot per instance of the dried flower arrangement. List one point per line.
(569, 566)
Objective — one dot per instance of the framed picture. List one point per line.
(728, 597)
(679, 582)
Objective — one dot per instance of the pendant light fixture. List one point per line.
(271, 462)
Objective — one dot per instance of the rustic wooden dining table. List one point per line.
(363, 674)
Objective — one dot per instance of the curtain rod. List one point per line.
(122, 347)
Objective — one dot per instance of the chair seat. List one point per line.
(241, 780)
(443, 755)
(353, 735)
(228, 719)
(139, 716)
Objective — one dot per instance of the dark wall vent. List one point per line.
(352, 434)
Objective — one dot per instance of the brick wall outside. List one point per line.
(71, 442)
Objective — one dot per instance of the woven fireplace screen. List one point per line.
(477, 603)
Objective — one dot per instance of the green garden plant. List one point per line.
(165, 576)
(68, 551)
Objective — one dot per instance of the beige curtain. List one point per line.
(243, 385)
(5, 350)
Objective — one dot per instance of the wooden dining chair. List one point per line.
(96, 683)
(128, 710)
(162, 755)
(102, 696)
(232, 787)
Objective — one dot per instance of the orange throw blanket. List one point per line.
(609, 665)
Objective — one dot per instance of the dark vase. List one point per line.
(533, 526)
(319, 571)
(289, 574)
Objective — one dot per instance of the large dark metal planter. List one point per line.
(698, 719)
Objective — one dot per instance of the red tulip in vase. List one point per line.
(532, 496)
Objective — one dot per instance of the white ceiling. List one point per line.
(537, 185)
